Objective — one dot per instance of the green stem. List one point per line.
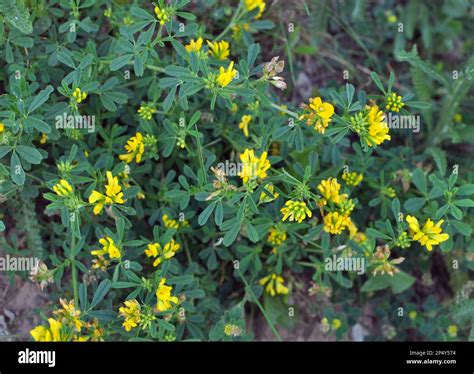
(74, 270)
(231, 24)
(262, 309)
(284, 110)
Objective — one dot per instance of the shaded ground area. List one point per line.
(18, 303)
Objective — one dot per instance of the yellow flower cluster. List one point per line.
(378, 128)
(371, 126)
(428, 235)
(253, 167)
(173, 224)
(194, 46)
(337, 220)
(78, 95)
(295, 211)
(146, 111)
(264, 198)
(164, 298)
(108, 247)
(352, 178)
(244, 124)
(252, 4)
(52, 333)
(135, 148)
(219, 50)
(394, 102)
(274, 284)
(162, 15)
(276, 236)
(63, 188)
(159, 253)
(318, 114)
(69, 315)
(226, 75)
(113, 194)
(131, 312)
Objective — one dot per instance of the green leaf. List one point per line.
(377, 81)
(17, 15)
(16, 170)
(38, 124)
(252, 233)
(206, 213)
(100, 293)
(377, 234)
(414, 204)
(466, 190)
(231, 235)
(40, 99)
(462, 227)
(465, 203)
(30, 154)
(252, 54)
(120, 62)
(419, 180)
(219, 214)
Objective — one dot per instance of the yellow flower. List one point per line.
(113, 194)
(226, 76)
(131, 312)
(253, 167)
(352, 179)
(413, 314)
(127, 20)
(274, 284)
(252, 4)
(429, 235)
(68, 314)
(79, 95)
(264, 198)
(244, 124)
(164, 298)
(156, 251)
(336, 323)
(43, 138)
(108, 247)
(329, 189)
(146, 111)
(453, 331)
(194, 46)
(335, 223)
(394, 102)
(2, 127)
(378, 128)
(232, 330)
(170, 223)
(295, 210)
(162, 15)
(135, 149)
(63, 188)
(100, 263)
(51, 334)
(219, 50)
(319, 114)
(276, 236)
